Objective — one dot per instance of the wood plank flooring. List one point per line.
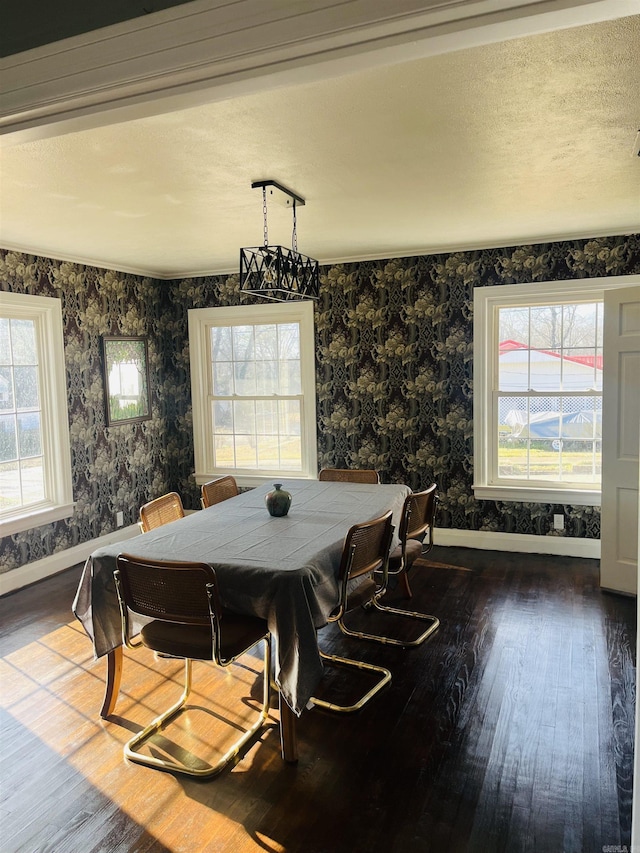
(511, 729)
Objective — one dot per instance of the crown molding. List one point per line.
(416, 252)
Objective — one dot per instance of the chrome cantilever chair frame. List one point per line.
(353, 565)
(417, 523)
(214, 620)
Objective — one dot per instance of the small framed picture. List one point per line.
(126, 379)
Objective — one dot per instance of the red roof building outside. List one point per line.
(588, 360)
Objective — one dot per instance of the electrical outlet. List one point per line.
(558, 522)
(119, 519)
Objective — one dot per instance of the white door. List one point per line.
(620, 440)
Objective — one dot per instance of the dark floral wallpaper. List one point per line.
(114, 468)
(395, 369)
(394, 379)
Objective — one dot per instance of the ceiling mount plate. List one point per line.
(281, 195)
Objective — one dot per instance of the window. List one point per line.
(253, 390)
(35, 462)
(538, 368)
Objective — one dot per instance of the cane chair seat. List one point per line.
(182, 602)
(361, 593)
(349, 475)
(194, 641)
(218, 490)
(161, 511)
(413, 550)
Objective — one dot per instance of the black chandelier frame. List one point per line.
(276, 272)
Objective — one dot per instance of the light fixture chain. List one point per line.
(294, 236)
(264, 214)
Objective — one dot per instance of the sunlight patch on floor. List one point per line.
(54, 688)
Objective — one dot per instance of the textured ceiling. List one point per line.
(519, 141)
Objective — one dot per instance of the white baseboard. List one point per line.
(564, 546)
(484, 540)
(58, 562)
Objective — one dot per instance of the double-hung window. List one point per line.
(35, 461)
(538, 370)
(253, 391)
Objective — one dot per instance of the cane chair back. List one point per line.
(218, 490)
(366, 550)
(349, 475)
(187, 621)
(418, 517)
(161, 511)
(416, 534)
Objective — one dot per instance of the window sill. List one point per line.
(535, 494)
(252, 480)
(36, 518)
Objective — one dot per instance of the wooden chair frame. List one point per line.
(349, 475)
(218, 490)
(161, 511)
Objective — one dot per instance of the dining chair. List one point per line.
(349, 475)
(161, 511)
(187, 621)
(416, 524)
(218, 490)
(365, 551)
(416, 527)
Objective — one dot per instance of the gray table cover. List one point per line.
(281, 569)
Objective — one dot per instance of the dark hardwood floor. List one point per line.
(511, 729)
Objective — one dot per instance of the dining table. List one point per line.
(282, 569)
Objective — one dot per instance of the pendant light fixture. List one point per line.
(275, 272)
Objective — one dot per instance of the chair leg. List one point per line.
(211, 770)
(404, 582)
(130, 747)
(433, 621)
(356, 664)
(404, 575)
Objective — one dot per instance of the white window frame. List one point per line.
(200, 322)
(487, 484)
(46, 313)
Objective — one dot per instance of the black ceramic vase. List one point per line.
(278, 501)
